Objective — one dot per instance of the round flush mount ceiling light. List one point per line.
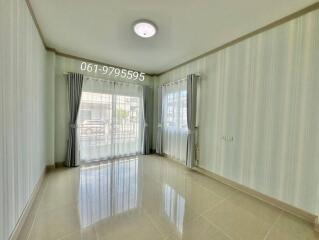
(145, 28)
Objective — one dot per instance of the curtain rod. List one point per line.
(176, 81)
(173, 82)
(108, 80)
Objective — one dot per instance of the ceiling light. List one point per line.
(145, 28)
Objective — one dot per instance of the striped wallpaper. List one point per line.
(23, 104)
(264, 94)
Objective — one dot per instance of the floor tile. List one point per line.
(62, 189)
(198, 228)
(218, 188)
(289, 227)
(171, 218)
(83, 234)
(200, 199)
(132, 225)
(243, 217)
(54, 224)
(150, 197)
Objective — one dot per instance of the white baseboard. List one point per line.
(272, 201)
(317, 225)
(173, 160)
(16, 231)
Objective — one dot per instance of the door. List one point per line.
(109, 123)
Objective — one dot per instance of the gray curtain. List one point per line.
(147, 118)
(159, 139)
(75, 82)
(191, 118)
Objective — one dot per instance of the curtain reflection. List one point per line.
(108, 189)
(174, 207)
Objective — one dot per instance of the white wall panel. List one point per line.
(264, 92)
(23, 104)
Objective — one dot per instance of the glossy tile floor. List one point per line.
(149, 197)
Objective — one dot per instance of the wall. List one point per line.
(50, 110)
(23, 106)
(62, 66)
(263, 92)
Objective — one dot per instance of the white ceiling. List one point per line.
(101, 30)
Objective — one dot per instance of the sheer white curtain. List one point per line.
(110, 119)
(175, 120)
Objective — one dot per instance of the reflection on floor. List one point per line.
(149, 197)
(107, 190)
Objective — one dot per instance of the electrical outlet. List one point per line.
(228, 138)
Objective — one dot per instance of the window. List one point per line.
(175, 120)
(176, 112)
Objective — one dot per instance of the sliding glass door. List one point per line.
(109, 121)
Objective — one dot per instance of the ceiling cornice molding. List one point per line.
(89, 60)
(35, 22)
(274, 24)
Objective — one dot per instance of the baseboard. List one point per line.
(16, 231)
(59, 164)
(50, 167)
(176, 161)
(317, 225)
(270, 200)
